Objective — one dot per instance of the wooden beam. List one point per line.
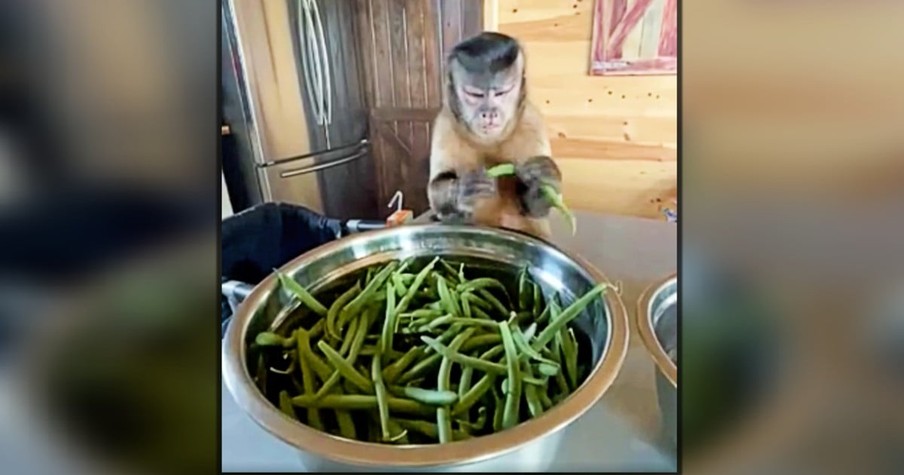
(408, 114)
(491, 15)
(391, 137)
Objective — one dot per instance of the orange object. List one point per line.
(400, 216)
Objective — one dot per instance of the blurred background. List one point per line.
(791, 157)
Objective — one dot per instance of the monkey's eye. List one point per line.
(476, 95)
(502, 93)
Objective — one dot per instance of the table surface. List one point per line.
(620, 433)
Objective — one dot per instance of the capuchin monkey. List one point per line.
(487, 120)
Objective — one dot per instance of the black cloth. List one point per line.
(264, 237)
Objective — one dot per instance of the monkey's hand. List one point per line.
(532, 174)
(471, 187)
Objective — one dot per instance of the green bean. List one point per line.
(477, 322)
(422, 313)
(388, 320)
(498, 414)
(453, 273)
(361, 402)
(376, 373)
(349, 337)
(337, 306)
(467, 425)
(445, 297)
(266, 338)
(567, 316)
(420, 368)
(447, 335)
(461, 272)
(510, 417)
(307, 377)
(291, 356)
(346, 425)
(426, 428)
(476, 301)
(524, 294)
(544, 399)
(555, 198)
(480, 283)
(437, 322)
(537, 300)
(465, 306)
(392, 372)
(531, 330)
(481, 341)
(554, 309)
(570, 352)
(526, 350)
(372, 288)
(456, 302)
(345, 368)
(464, 360)
(320, 367)
(301, 293)
(547, 369)
(443, 414)
(285, 404)
(464, 383)
(430, 397)
(493, 301)
(479, 313)
(474, 394)
(418, 281)
(531, 394)
(398, 285)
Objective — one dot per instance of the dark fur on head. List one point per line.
(487, 52)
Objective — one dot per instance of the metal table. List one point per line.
(621, 433)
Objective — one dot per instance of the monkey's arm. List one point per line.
(531, 150)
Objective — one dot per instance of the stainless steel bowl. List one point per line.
(530, 446)
(657, 323)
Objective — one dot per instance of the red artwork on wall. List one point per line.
(634, 37)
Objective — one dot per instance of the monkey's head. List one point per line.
(485, 87)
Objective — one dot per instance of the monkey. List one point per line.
(486, 119)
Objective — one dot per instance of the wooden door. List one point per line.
(403, 43)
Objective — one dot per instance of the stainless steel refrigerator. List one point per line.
(294, 109)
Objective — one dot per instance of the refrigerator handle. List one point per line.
(313, 76)
(321, 166)
(325, 59)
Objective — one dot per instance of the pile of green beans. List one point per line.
(422, 351)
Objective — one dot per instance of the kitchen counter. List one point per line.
(621, 433)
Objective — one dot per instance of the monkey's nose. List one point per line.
(489, 116)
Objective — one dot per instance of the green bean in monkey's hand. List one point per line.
(453, 353)
(549, 192)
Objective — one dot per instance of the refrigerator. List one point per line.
(294, 108)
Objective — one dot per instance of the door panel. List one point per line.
(403, 43)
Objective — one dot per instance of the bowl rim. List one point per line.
(642, 318)
(367, 454)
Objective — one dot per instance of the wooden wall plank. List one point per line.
(615, 138)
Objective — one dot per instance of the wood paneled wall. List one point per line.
(403, 43)
(615, 138)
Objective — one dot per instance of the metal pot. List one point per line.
(530, 446)
(657, 323)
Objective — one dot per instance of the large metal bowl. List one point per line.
(530, 446)
(657, 323)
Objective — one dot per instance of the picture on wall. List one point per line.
(634, 37)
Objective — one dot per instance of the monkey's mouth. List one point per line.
(490, 128)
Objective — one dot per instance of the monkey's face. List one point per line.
(488, 102)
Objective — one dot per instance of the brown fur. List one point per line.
(455, 150)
